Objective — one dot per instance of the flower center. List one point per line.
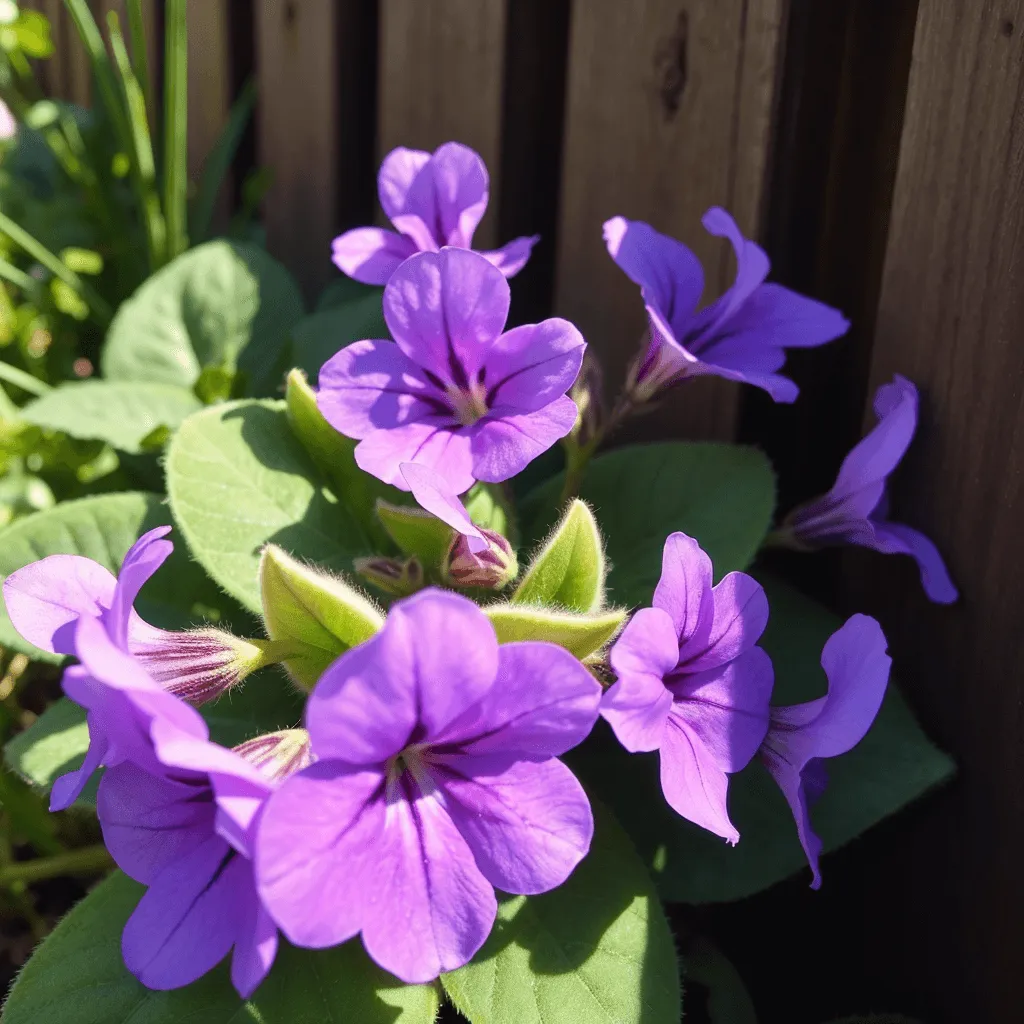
(468, 405)
(414, 760)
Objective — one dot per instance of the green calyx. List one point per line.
(581, 635)
(314, 615)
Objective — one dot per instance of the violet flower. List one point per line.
(452, 392)
(184, 826)
(855, 511)
(434, 496)
(46, 598)
(433, 200)
(692, 684)
(857, 667)
(742, 336)
(437, 781)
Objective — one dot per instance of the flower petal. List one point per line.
(505, 443)
(461, 186)
(511, 258)
(692, 782)
(433, 494)
(528, 824)
(895, 538)
(45, 599)
(790, 782)
(398, 170)
(740, 617)
(189, 917)
(317, 851)
(144, 557)
(638, 704)
(431, 908)
(255, 948)
(370, 255)
(543, 702)
(530, 366)
(432, 443)
(727, 708)
(444, 310)
(684, 589)
(68, 787)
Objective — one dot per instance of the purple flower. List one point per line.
(855, 510)
(857, 668)
(184, 825)
(434, 496)
(692, 684)
(741, 336)
(433, 200)
(453, 392)
(437, 781)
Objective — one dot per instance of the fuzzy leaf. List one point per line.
(416, 532)
(320, 615)
(581, 635)
(120, 413)
(892, 766)
(490, 509)
(721, 494)
(226, 305)
(238, 479)
(77, 976)
(596, 949)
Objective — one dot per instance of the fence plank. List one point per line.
(297, 130)
(209, 85)
(668, 113)
(441, 70)
(951, 317)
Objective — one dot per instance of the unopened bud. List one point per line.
(201, 664)
(493, 568)
(397, 576)
(588, 394)
(278, 754)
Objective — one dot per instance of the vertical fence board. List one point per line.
(668, 113)
(296, 128)
(951, 317)
(441, 70)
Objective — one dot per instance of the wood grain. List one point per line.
(668, 113)
(297, 131)
(440, 80)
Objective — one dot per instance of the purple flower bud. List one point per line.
(397, 576)
(278, 754)
(201, 664)
(493, 568)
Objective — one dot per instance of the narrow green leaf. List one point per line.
(175, 176)
(569, 570)
(140, 61)
(317, 615)
(77, 976)
(23, 380)
(723, 495)
(238, 479)
(596, 949)
(582, 635)
(121, 414)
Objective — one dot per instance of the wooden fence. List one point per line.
(877, 148)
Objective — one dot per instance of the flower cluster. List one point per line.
(426, 772)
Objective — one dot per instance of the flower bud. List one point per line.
(588, 394)
(278, 754)
(201, 664)
(492, 568)
(396, 576)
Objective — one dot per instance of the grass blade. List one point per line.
(21, 379)
(175, 176)
(218, 163)
(140, 60)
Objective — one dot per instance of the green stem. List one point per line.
(23, 380)
(17, 234)
(18, 277)
(175, 178)
(88, 860)
(140, 61)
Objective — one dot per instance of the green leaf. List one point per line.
(223, 304)
(596, 949)
(333, 455)
(319, 336)
(581, 635)
(315, 615)
(569, 570)
(892, 766)
(416, 532)
(77, 976)
(345, 290)
(103, 528)
(720, 494)
(728, 1001)
(53, 744)
(238, 479)
(489, 508)
(121, 414)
